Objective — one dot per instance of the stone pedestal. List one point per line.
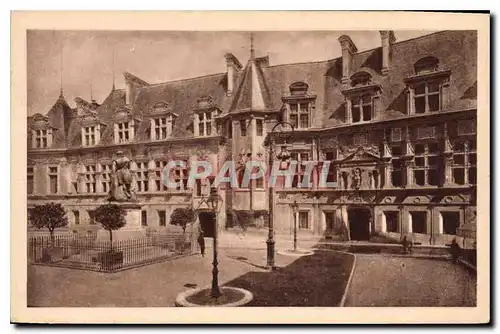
(132, 228)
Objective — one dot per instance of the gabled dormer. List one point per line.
(124, 125)
(205, 114)
(162, 120)
(362, 95)
(91, 128)
(41, 131)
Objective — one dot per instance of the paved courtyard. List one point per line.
(400, 281)
(152, 285)
(378, 281)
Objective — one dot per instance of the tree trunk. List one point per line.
(183, 237)
(51, 231)
(110, 239)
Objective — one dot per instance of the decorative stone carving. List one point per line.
(357, 177)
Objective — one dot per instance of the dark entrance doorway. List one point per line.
(359, 223)
(207, 222)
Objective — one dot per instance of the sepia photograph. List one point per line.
(284, 169)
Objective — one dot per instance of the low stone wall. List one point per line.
(386, 249)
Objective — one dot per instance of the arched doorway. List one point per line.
(207, 223)
(359, 223)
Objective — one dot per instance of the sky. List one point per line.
(83, 60)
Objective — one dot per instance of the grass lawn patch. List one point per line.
(316, 280)
(203, 297)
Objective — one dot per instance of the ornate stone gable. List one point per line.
(39, 121)
(359, 154)
(122, 114)
(162, 108)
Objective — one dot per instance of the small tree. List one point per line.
(111, 217)
(182, 217)
(50, 216)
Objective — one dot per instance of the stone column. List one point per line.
(402, 221)
(131, 129)
(409, 173)
(49, 137)
(410, 101)
(97, 133)
(348, 110)
(152, 176)
(170, 127)
(81, 179)
(33, 139)
(377, 106)
(196, 125)
(64, 176)
(213, 125)
(98, 178)
(152, 133)
(115, 133)
(82, 131)
(409, 227)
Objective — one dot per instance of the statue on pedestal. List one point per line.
(122, 187)
(356, 178)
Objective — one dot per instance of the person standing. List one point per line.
(454, 250)
(201, 243)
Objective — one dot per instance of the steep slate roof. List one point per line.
(181, 96)
(261, 87)
(59, 116)
(252, 93)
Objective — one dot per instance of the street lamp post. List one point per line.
(213, 203)
(295, 208)
(283, 155)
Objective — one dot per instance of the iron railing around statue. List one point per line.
(86, 252)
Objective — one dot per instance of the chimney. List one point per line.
(348, 50)
(388, 38)
(233, 66)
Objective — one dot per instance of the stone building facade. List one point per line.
(398, 123)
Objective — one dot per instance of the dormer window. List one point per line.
(123, 132)
(41, 132)
(162, 121)
(299, 115)
(362, 98)
(124, 126)
(362, 109)
(204, 119)
(427, 97)
(162, 127)
(89, 136)
(205, 124)
(91, 128)
(41, 138)
(426, 87)
(299, 105)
